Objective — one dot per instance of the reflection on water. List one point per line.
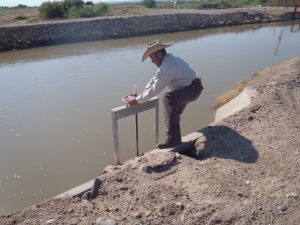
(282, 33)
(60, 51)
(55, 124)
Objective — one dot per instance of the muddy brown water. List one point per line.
(55, 121)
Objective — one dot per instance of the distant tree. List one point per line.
(149, 3)
(89, 3)
(52, 10)
(22, 6)
(225, 4)
(72, 3)
(279, 2)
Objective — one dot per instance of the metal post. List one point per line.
(136, 126)
(115, 138)
(124, 111)
(137, 134)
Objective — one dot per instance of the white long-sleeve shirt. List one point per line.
(173, 73)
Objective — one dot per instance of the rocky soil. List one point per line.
(243, 170)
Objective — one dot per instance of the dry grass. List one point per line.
(13, 16)
(229, 95)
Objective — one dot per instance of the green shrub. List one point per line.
(52, 10)
(78, 12)
(21, 17)
(101, 8)
(84, 12)
(89, 3)
(149, 3)
(71, 3)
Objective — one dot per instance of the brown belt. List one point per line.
(197, 83)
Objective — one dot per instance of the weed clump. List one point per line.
(71, 9)
(229, 95)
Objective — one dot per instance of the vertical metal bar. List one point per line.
(157, 120)
(115, 138)
(137, 134)
(136, 126)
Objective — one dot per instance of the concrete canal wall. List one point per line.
(26, 36)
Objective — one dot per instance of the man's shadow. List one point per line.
(223, 142)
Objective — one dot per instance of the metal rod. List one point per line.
(115, 138)
(137, 134)
(136, 126)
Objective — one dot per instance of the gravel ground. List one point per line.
(243, 170)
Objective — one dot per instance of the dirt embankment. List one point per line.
(13, 17)
(21, 34)
(243, 170)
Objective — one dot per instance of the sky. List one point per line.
(11, 3)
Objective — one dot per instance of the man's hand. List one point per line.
(132, 102)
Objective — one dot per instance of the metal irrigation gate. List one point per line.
(125, 111)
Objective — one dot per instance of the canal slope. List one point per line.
(156, 21)
(242, 170)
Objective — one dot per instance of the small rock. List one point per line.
(101, 221)
(86, 196)
(50, 221)
(217, 221)
(292, 195)
(148, 213)
(110, 169)
(179, 205)
(95, 188)
(85, 202)
(283, 208)
(250, 118)
(137, 215)
(124, 188)
(119, 179)
(76, 200)
(70, 210)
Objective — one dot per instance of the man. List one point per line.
(182, 81)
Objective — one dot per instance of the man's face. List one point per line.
(157, 58)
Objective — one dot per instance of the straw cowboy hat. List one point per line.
(153, 47)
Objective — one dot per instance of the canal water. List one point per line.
(55, 120)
